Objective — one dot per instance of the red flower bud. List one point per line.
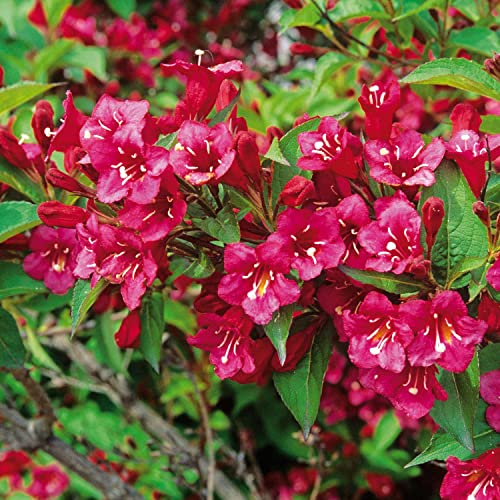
(64, 181)
(129, 334)
(12, 151)
(492, 66)
(482, 211)
(43, 124)
(296, 191)
(55, 213)
(298, 49)
(432, 214)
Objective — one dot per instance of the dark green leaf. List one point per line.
(12, 350)
(278, 330)
(107, 352)
(224, 113)
(307, 16)
(476, 39)
(462, 235)
(15, 95)
(458, 73)
(456, 414)
(466, 265)
(83, 299)
(300, 389)
(224, 227)
(489, 358)
(14, 281)
(179, 315)
(122, 7)
(152, 327)
(392, 283)
(19, 181)
(16, 217)
(201, 268)
(54, 10)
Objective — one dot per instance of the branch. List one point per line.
(173, 443)
(27, 435)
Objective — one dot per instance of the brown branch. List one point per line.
(27, 435)
(172, 442)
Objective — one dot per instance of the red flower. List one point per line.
(13, 462)
(493, 275)
(129, 333)
(202, 154)
(489, 311)
(309, 240)
(379, 102)
(53, 258)
(48, 482)
(490, 392)
(394, 238)
(445, 333)
(256, 280)
(404, 160)
(477, 479)
(332, 147)
(412, 391)
(227, 339)
(377, 334)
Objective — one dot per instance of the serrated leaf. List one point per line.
(223, 228)
(19, 181)
(201, 268)
(83, 299)
(476, 39)
(458, 73)
(456, 414)
(278, 330)
(122, 7)
(300, 389)
(152, 327)
(489, 358)
(392, 283)
(16, 217)
(15, 95)
(54, 10)
(12, 350)
(461, 235)
(14, 281)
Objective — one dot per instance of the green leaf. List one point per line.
(83, 299)
(327, 65)
(12, 350)
(347, 9)
(386, 431)
(181, 316)
(412, 7)
(15, 95)
(278, 330)
(167, 141)
(122, 7)
(476, 39)
(54, 10)
(392, 283)
(458, 73)
(152, 327)
(443, 445)
(14, 281)
(16, 217)
(201, 268)
(224, 113)
(465, 265)
(300, 389)
(490, 124)
(224, 227)
(461, 235)
(19, 181)
(489, 358)
(306, 16)
(107, 352)
(49, 57)
(456, 414)
(90, 58)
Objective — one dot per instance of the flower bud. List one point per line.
(42, 124)
(482, 211)
(492, 66)
(129, 334)
(55, 213)
(432, 214)
(64, 181)
(296, 191)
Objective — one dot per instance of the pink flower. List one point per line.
(309, 240)
(477, 479)
(445, 333)
(202, 154)
(412, 391)
(48, 482)
(53, 258)
(332, 147)
(256, 280)
(227, 339)
(404, 160)
(377, 333)
(493, 275)
(13, 462)
(393, 239)
(490, 392)
(379, 102)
